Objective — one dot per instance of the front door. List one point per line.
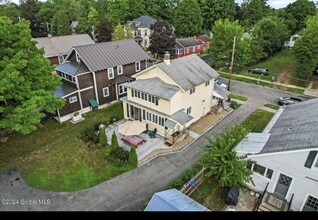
(283, 185)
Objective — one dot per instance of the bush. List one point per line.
(114, 141)
(102, 137)
(234, 105)
(118, 156)
(89, 135)
(185, 177)
(98, 145)
(133, 159)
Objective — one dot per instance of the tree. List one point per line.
(102, 137)
(92, 16)
(63, 25)
(133, 159)
(212, 10)
(136, 9)
(27, 84)
(117, 11)
(83, 26)
(296, 13)
(161, 38)
(253, 11)
(104, 31)
(222, 161)
(114, 141)
(306, 52)
(129, 32)
(271, 33)
(119, 33)
(11, 11)
(188, 20)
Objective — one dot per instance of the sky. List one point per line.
(272, 3)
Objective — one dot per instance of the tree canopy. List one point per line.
(253, 11)
(104, 31)
(27, 84)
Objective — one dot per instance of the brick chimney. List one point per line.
(166, 58)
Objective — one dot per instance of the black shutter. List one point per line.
(310, 159)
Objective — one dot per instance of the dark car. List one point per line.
(259, 70)
(288, 100)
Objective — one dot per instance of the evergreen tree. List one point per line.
(104, 31)
(133, 158)
(114, 141)
(102, 137)
(62, 22)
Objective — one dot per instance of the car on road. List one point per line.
(259, 70)
(219, 83)
(288, 100)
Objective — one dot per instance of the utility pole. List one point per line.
(232, 62)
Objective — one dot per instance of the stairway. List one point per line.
(273, 203)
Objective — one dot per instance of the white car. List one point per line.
(219, 83)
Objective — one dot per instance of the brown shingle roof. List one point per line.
(110, 54)
(188, 42)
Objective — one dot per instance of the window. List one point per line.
(259, 169)
(110, 72)
(132, 93)
(106, 92)
(189, 110)
(193, 49)
(145, 34)
(192, 91)
(311, 204)
(179, 51)
(72, 99)
(207, 83)
(316, 164)
(119, 70)
(137, 66)
(146, 43)
(269, 173)
(77, 57)
(121, 89)
(61, 59)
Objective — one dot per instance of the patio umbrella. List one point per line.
(132, 128)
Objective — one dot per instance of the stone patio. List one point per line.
(142, 150)
(245, 204)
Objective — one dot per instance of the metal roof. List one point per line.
(221, 91)
(253, 143)
(154, 86)
(173, 200)
(205, 37)
(72, 68)
(61, 45)
(189, 71)
(64, 90)
(122, 79)
(110, 54)
(181, 117)
(188, 42)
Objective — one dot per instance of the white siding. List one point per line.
(291, 164)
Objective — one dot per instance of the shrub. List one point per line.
(114, 141)
(133, 159)
(88, 135)
(102, 137)
(234, 105)
(118, 156)
(185, 177)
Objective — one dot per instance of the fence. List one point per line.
(194, 182)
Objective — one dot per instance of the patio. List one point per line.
(143, 149)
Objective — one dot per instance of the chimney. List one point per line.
(166, 58)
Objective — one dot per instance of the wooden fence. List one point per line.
(193, 183)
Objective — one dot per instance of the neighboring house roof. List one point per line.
(142, 22)
(64, 90)
(221, 91)
(173, 200)
(295, 129)
(110, 54)
(205, 37)
(189, 71)
(253, 143)
(72, 68)
(188, 42)
(181, 117)
(61, 45)
(154, 86)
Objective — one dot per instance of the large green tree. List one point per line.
(104, 31)
(188, 20)
(117, 11)
(62, 23)
(253, 11)
(212, 10)
(120, 33)
(297, 12)
(27, 84)
(11, 11)
(161, 38)
(306, 52)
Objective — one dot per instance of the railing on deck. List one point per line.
(259, 201)
(290, 202)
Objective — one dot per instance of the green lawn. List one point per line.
(54, 158)
(272, 106)
(238, 97)
(258, 120)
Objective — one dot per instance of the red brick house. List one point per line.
(205, 39)
(187, 46)
(92, 75)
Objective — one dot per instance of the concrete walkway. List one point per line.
(129, 191)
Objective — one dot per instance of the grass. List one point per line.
(54, 158)
(247, 80)
(272, 106)
(238, 97)
(258, 120)
(296, 90)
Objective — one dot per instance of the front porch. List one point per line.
(271, 202)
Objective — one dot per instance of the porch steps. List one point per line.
(273, 203)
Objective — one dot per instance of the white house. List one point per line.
(286, 156)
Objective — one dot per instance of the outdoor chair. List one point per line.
(146, 131)
(152, 134)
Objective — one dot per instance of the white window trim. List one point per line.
(77, 57)
(264, 176)
(108, 72)
(137, 70)
(315, 162)
(61, 59)
(73, 99)
(123, 88)
(121, 68)
(106, 88)
(305, 200)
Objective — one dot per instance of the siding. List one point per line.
(85, 80)
(70, 107)
(90, 93)
(156, 72)
(54, 60)
(291, 164)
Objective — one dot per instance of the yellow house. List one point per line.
(171, 95)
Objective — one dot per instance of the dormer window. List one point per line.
(77, 57)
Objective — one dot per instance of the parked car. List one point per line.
(219, 83)
(259, 70)
(288, 100)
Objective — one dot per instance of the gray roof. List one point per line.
(142, 22)
(181, 117)
(221, 91)
(61, 45)
(110, 54)
(205, 37)
(64, 90)
(170, 124)
(154, 86)
(188, 71)
(72, 68)
(188, 42)
(253, 143)
(295, 129)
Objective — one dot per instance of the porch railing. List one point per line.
(290, 202)
(259, 201)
